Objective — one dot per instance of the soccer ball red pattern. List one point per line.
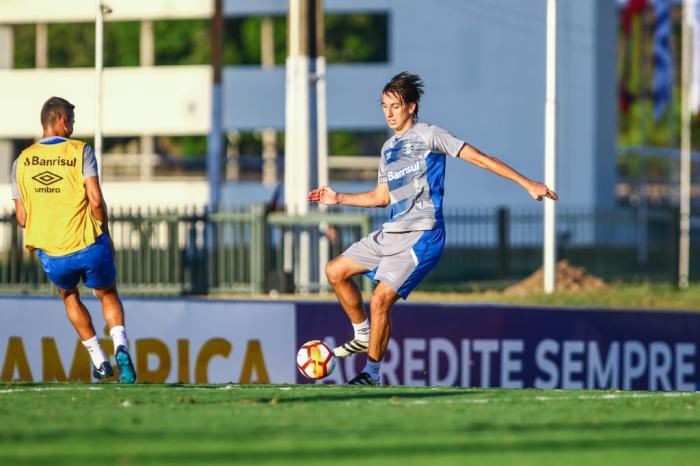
(315, 359)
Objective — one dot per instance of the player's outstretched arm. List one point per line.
(536, 190)
(379, 197)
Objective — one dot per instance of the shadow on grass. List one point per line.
(310, 451)
(332, 393)
(249, 435)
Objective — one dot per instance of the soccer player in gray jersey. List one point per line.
(402, 252)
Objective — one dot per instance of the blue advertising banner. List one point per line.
(515, 347)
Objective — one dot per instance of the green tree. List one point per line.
(25, 40)
(358, 37)
(182, 42)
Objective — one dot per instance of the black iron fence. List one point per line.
(253, 251)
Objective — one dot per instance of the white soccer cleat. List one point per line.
(351, 347)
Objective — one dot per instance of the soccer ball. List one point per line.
(315, 360)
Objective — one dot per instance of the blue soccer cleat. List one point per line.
(103, 372)
(363, 378)
(127, 374)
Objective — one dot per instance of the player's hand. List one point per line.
(539, 191)
(323, 195)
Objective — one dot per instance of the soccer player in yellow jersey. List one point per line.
(59, 203)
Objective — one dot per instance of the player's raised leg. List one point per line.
(80, 318)
(382, 300)
(340, 272)
(113, 312)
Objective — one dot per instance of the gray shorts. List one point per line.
(400, 260)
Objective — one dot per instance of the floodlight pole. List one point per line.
(99, 39)
(684, 227)
(550, 150)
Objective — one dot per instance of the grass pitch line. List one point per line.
(47, 389)
(544, 399)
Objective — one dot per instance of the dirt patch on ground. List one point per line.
(569, 278)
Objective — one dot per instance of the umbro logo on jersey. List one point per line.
(47, 178)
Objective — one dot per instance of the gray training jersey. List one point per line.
(413, 165)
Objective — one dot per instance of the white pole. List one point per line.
(550, 150)
(99, 34)
(298, 138)
(684, 240)
(322, 140)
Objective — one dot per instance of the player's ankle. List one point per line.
(362, 330)
(372, 368)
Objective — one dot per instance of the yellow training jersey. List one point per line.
(50, 181)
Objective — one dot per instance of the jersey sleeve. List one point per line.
(443, 142)
(89, 162)
(15, 187)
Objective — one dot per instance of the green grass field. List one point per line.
(74, 424)
(661, 296)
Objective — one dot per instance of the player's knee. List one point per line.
(68, 294)
(334, 272)
(100, 293)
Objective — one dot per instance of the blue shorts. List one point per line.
(93, 264)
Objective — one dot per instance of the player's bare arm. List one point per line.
(536, 190)
(97, 202)
(378, 197)
(20, 213)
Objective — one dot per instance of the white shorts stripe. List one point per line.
(413, 255)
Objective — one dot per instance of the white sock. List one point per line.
(372, 368)
(119, 337)
(96, 354)
(362, 330)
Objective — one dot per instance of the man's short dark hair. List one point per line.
(408, 86)
(53, 109)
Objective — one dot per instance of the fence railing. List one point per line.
(191, 252)
(253, 251)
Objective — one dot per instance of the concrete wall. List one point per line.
(168, 100)
(484, 67)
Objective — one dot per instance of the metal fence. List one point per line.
(196, 252)
(252, 251)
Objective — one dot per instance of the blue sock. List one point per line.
(372, 368)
